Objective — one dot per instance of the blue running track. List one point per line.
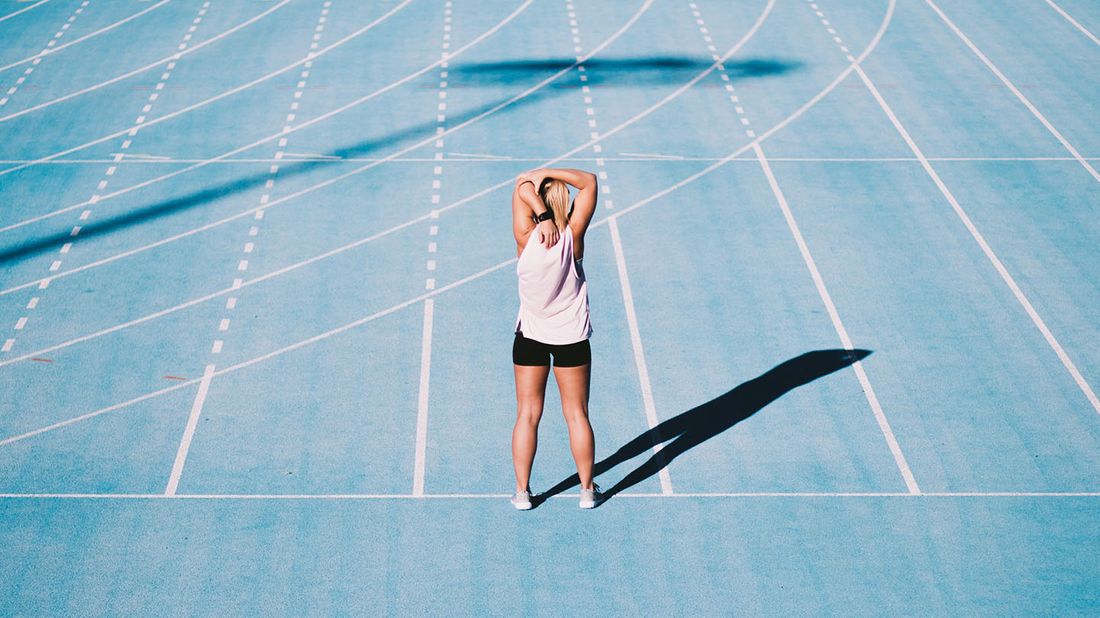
(257, 293)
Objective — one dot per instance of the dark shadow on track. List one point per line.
(609, 72)
(690, 429)
(615, 72)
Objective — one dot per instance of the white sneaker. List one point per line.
(522, 500)
(591, 498)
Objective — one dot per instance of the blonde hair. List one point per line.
(555, 194)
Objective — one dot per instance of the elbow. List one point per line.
(590, 179)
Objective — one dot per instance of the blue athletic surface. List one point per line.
(257, 294)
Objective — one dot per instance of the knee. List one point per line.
(529, 415)
(576, 415)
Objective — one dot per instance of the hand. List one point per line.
(535, 176)
(548, 233)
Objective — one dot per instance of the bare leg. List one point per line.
(573, 383)
(530, 392)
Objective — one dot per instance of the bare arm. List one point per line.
(526, 205)
(584, 204)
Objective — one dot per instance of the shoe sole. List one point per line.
(522, 506)
(588, 505)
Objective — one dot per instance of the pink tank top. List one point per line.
(553, 294)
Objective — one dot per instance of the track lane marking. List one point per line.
(1016, 91)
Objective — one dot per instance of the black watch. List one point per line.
(546, 216)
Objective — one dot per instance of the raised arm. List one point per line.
(584, 204)
(526, 206)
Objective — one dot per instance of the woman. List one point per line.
(553, 318)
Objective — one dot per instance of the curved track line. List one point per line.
(23, 10)
(330, 181)
(189, 108)
(148, 67)
(54, 50)
(202, 299)
(269, 138)
(797, 113)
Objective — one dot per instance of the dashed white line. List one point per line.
(826, 298)
(439, 170)
(624, 279)
(56, 264)
(999, 266)
(287, 129)
(429, 282)
(147, 67)
(49, 48)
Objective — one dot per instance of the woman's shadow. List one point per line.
(689, 429)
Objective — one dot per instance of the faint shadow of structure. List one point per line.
(609, 72)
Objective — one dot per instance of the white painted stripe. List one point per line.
(563, 496)
(230, 153)
(838, 325)
(364, 168)
(1073, 21)
(368, 239)
(189, 431)
(422, 399)
(997, 264)
(639, 353)
(1016, 91)
(147, 67)
(262, 358)
(23, 10)
(90, 35)
(623, 157)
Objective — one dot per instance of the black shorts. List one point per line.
(531, 353)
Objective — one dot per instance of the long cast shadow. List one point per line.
(621, 71)
(689, 429)
(287, 168)
(617, 72)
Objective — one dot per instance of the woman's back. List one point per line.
(553, 293)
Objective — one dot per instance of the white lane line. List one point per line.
(843, 75)
(189, 431)
(624, 279)
(23, 10)
(262, 358)
(566, 496)
(358, 170)
(176, 56)
(49, 48)
(453, 156)
(422, 399)
(287, 130)
(790, 118)
(90, 35)
(1073, 21)
(986, 249)
(1052, 341)
(639, 352)
(55, 266)
(429, 281)
(223, 325)
(368, 239)
(1016, 91)
(838, 325)
(883, 27)
(312, 56)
